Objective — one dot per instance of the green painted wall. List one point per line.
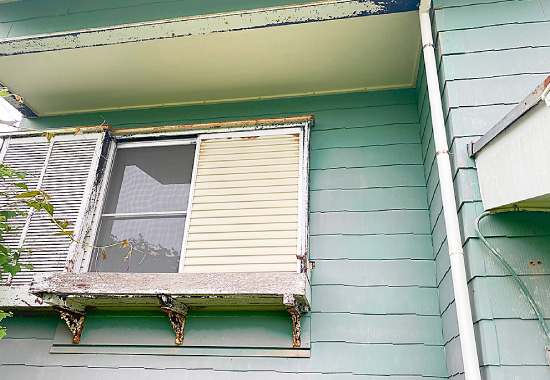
(491, 54)
(375, 305)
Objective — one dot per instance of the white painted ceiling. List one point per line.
(352, 54)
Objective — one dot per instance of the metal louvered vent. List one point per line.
(63, 168)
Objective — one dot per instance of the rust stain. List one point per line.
(296, 326)
(234, 123)
(74, 321)
(178, 324)
(87, 129)
(535, 265)
(249, 137)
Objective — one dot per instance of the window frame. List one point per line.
(197, 136)
(104, 188)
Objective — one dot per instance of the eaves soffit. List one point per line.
(297, 50)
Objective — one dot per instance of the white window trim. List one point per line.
(185, 137)
(84, 265)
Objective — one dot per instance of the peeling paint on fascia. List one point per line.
(190, 26)
(17, 102)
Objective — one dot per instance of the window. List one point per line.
(215, 214)
(243, 197)
(146, 204)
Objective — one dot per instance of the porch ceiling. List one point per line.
(106, 69)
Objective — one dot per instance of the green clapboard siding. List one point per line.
(375, 309)
(498, 37)
(492, 54)
(509, 89)
(485, 64)
(494, 13)
(30, 327)
(375, 273)
(374, 199)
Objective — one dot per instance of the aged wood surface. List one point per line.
(193, 289)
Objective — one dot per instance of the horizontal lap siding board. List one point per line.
(492, 55)
(244, 214)
(68, 168)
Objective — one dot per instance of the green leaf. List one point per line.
(28, 194)
(28, 266)
(34, 204)
(49, 208)
(49, 135)
(64, 224)
(64, 233)
(12, 269)
(104, 254)
(8, 214)
(21, 185)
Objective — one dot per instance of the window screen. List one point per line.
(146, 205)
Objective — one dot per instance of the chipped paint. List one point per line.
(166, 130)
(202, 25)
(18, 296)
(203, 127)
(77, 251)
(17, 102)
(295, 308)
(177, 313)
(64, 131)
(182, 284)
(72, 291)
(74, 321)
(296, 327)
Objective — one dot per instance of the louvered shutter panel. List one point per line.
(65, 168)
(28, 155)
(244, 212)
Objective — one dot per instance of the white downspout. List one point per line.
(458, 270)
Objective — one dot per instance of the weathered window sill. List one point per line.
(71, 294)
(193, 289)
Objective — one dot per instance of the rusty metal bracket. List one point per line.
(74, 320)
(177, 312)
(296, 327)
(295, 309)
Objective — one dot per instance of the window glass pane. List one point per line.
(150, 179)
(156, 244)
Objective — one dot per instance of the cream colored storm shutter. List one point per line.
(245, 207)
(65, 168)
